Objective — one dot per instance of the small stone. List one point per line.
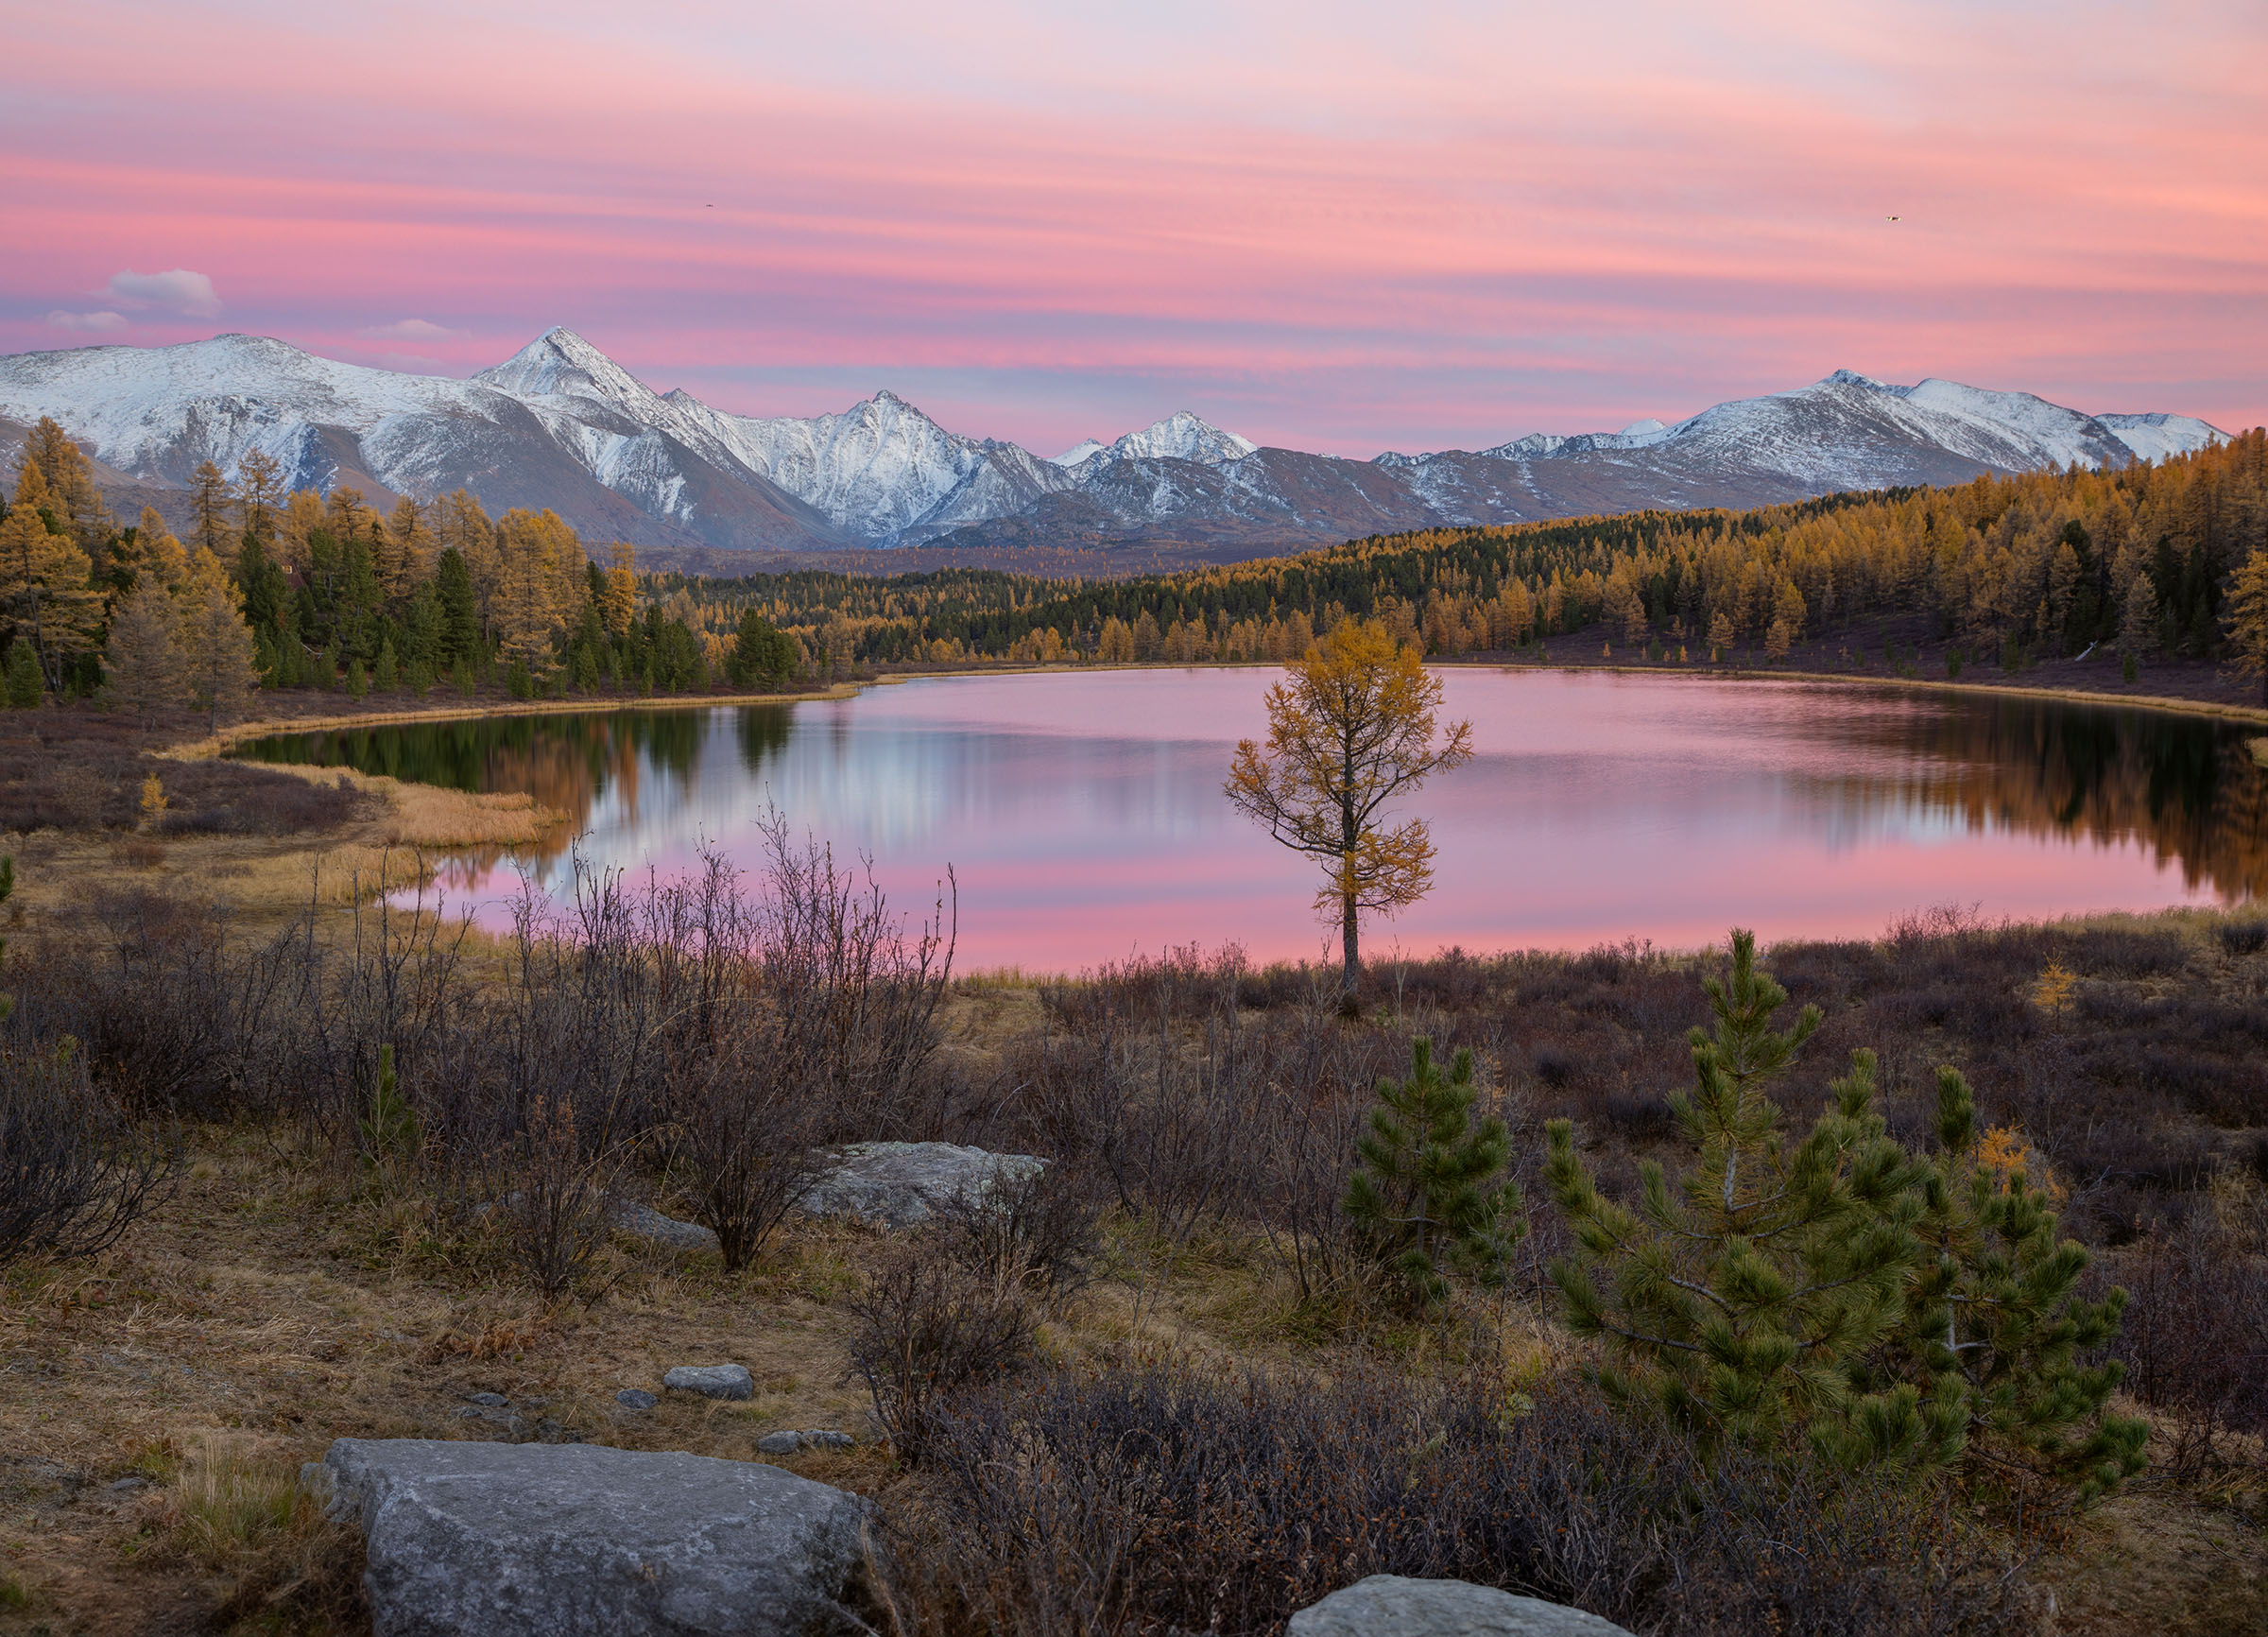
(492, 1400)
(828, 1439)
(127, 1486)
(779, 1444)
(636, 1398)
(724, 1381)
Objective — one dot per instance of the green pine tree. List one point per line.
(25, 683)
(390, 1129)
(1736, 1301)
(387, 675)
(1426, 1192)
(457, 640)
(1993, 1316)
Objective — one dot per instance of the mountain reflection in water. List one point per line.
(1084, 815)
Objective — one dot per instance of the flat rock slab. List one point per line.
(1395, 1606)
(726, 1381)
(787, 1440)
(902, 1184)
(472, 1540)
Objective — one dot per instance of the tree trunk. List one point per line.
(1355, 966)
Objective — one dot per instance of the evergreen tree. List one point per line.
(763, 657)
(361, 600)
(1426, 1192)
(149, 671)
(24, 685)
(1993, 1319)
(269, 607)
(386, 674)
(458, 609)
(1736, 1301)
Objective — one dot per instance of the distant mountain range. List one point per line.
(559, 424)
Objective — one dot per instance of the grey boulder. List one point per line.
(648, 1223)
(902, 1184)
(726, 1381)
(581, 1541)
(636, 1398)
(1395, 1606)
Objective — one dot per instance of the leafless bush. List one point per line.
(1037, 1231)
(1156, 1499)
(75, 1171)
(2194, 1335)
(927, 1325)
(850, 997)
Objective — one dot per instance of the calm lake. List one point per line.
(1083, 812)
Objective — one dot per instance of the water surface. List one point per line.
(1083, 812)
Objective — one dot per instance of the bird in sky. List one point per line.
(1892, 219)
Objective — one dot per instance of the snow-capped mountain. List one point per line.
(562, 424)
(883, 467)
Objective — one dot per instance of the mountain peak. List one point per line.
(561, 364)
(1184, 436)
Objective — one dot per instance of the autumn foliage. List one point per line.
(1350, 727)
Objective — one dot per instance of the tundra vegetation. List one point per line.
(1910, 1284)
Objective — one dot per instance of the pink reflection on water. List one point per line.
(1083, 817)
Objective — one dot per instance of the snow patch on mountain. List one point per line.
(2157, 436)
(1079, 452)
(883, 467)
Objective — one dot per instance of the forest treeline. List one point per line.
(2149, 560)
(278, 590)
(2162, 560)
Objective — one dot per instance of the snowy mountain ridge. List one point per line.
(559, 423)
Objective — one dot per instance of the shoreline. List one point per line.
(227, 738)
(220, 742)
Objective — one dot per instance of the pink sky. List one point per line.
(1329, 226)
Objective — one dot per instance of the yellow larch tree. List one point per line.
(44, 578)
(155, 554)
(540, 576)
(260, 494)
(216, 642)
(1350, 728)
(210, 503)
(2248, 619)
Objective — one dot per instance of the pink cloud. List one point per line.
(1312, 228)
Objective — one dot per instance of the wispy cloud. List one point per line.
(409, 330)
(98, 321)
(191, 295)
(1042, 221)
